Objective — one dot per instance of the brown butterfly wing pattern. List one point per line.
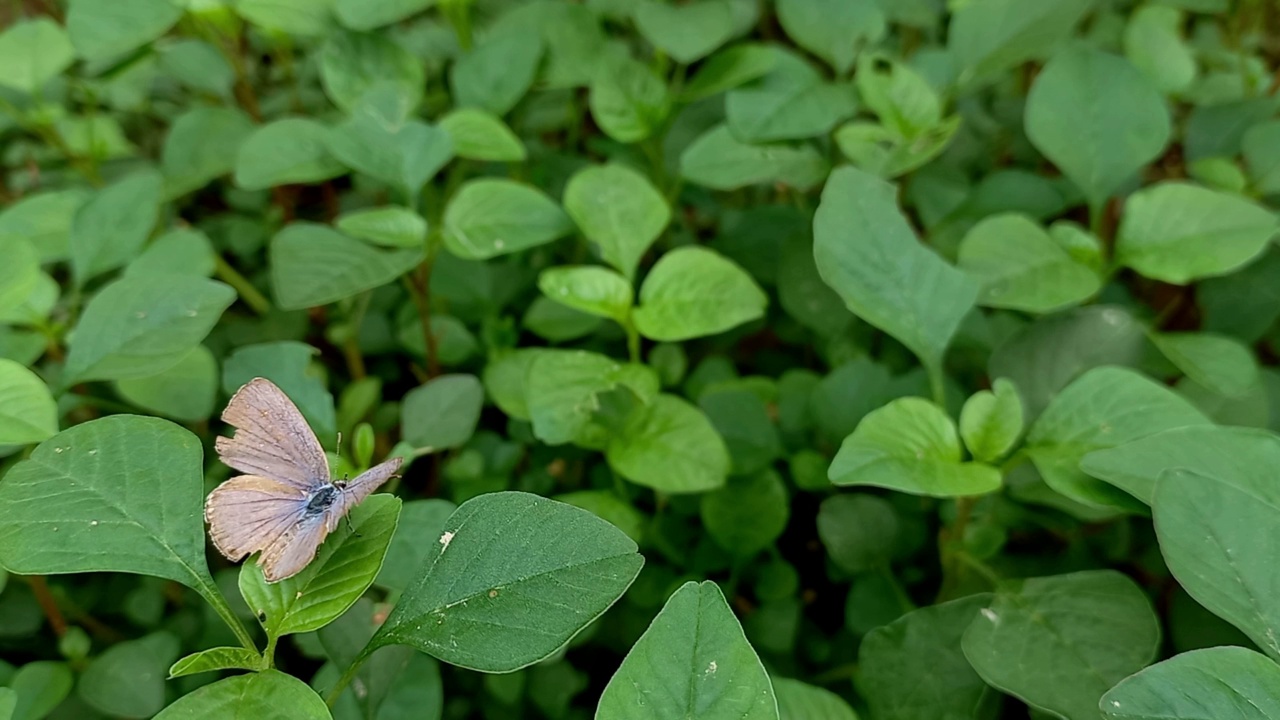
(249, 513)
(272, 438)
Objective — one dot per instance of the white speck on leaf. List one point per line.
(499, 243)
(93, 452)
(93, 523)
(991, 615)
(140, 315)
(1115, 703)
(711, 669)
(445, 539)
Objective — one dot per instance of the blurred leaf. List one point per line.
(562, 389)
(44, 219)
(860, 532)
(497, 73)
(489, 217)
(685, 32)
(619, 210)
(1221, 364)
(607, 505)
(403, 154)
(411, 545)
(202, 144)
(283, 152)
(477, 135)
(742, 419)
(106, 31)
(127, 680)
(28, 413)
(627, 100)
(991, 421)
(352, 63)
(1021, 267)
(989, 36)
(370, 14)
(729, 68)
(41, 686)
(443, 413)
(670, 446)
(183, 251)
(266, 695)
(32, 53)
(287, 364)
(1225, 683)
(800, 701)
(834, 30)
(589, 288)
(691, 292)
(748, 514)
(791, 102)
(721, 162)
(185, 391)
(389, 226)
(1153, 42)
(111, 228)
(1262, 157)
(313, 264)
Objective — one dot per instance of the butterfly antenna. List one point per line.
(350, 527)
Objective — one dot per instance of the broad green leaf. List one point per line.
(287, 364)
(1178, 232)
(198, 65)
(202, 144)
(497, 73)
(562, 389)
(910, 445)
(389, 226)
(490, 217)
(589, 288)
(420, 521)
(127, 680)
(40, 686)
(693, 662)
(1220, 363)
(353, 63)
(19, 275)
(314, 264)
(748, 514)
(442, 413)
(721, 162)
(105, 31)
(283, 152)
(867, 252)
(28, 413)
(1020, 267)
(742, 419)
(803, 294)
(99, 137)
(403, 154)
(902, 98)
(627, 100)
(685, 32)
(791, 102)
(219, 658)
(990, 36)
(1097, 118)
(608, 505)
(991, 421)
(136, 327)
(619, 210)
(477, 135)
(880, 151)
(44, 219)
(1261, 149)
(8, 702)
(913, 668)
(184, 251)
(1153, 42)
(1224, 683)
(860, 532)
(1135, 466)
(1103, 408)
(370, 14)
(571, 35)
(1058, 643)
(834, 30)
(558, 323)
(729, 68)
(801, 701)
(670, 446)
(121, 493)
(345, 566)
(111, 228)
(32, 53)
(266, 695)
(692, 291)
(1214, 529)
(186, 391)
(512, 579)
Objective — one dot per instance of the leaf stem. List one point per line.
(351, 344)
(419, 286)
(335, 692)
(245, 289)
(269, 655)
(48, 605)
(211, 594)
(937, 384)
(633, 340)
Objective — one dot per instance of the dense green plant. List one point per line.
(800, 359)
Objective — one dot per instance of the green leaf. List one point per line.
(186, 391)
(110, 229)
(1059, 643)
(138, 327)
(693, 662)
(913, 668)
(562, 389)
(1153, 42)
(442, 413)
(589, 288)
(686, 32)
(198, 65)
(353, 63)
(670, 446)
(791, 102)
(127, 680)
(692, 291)
(558, 323)
(503, 560)
(202, 145)
(721, 162)
(902, 98)
(1020, 267)
(860, 532)
(800, 701)
(477, 135)
(344, 567)
(1262, 156)
(314, 264)
(748, 514)
(219, 658)
(20, 275)
(403, 154)
(627, 100)
(497, 73)
(41, 686)
(489, 217)
(1103, 408)
(834, 30)
(266, 695)
(118, 494)
(420, 520)
(991, 421)
(8, 702)
(619, 210)
(32, 53)
(370, 14)
(183, 251)
(1224, 683)
(742, 419)
(287, 364)
(729, 68)
(1213, 530)
(607, 505)
(1220, 363)
(285, 152)
(910, 445)
(1097, 118)
(990, 36)
(44, 219)
(28, 413)
(389, 226)
(867, 252)
(105, 31)
(1178, 232)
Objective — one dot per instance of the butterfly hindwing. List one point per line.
(249, 513)
(272, 439)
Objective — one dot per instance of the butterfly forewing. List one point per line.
(272, 438)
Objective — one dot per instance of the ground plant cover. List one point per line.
(723, 359)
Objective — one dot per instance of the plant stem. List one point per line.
(248, 293)
(331, 697)
(351, 345)
(937, 384)
(633, 340)
(419, 285)
(214, 597)
(48, 605)
(269, 655)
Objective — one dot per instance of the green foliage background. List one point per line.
(765, 359)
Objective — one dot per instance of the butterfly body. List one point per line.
(287, 503)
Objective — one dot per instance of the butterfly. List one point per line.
(288, 503)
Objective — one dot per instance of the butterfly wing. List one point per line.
(294, 549)
(250, 513)
(272, 438)
(360, 488)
